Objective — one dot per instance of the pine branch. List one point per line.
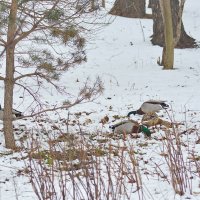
(27, 75)
(52, 109)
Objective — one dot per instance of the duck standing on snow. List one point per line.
(16, 113)
(151, 106)
(130, 126)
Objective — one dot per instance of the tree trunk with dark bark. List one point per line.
(185, 41)
(129, 8)
(168, 50)
(103, 3)
(9, 78)
(8, 99)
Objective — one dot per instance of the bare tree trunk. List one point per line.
(92, 4)
(168, 50)
(129, 8)
(9, 79)
(8, 99)
(103, 3)
(179, 23)
(185, 41)
(150, 4)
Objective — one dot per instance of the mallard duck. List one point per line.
(149, 116)
(152, 119)
(150, 106)
(130, 126)
(16, 113)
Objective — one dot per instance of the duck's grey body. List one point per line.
(16, 113)
(153, 106)
(128, 126)
(150, 106)
(1, 115)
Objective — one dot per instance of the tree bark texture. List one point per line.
(9, 78)
(129, 8)
(185, 41)
(168, 50)
(103, 3)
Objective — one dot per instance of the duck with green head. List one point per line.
(130, 126)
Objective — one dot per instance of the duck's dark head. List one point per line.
(132, 113)
(164, 105)
(112, 127)
(138, 112)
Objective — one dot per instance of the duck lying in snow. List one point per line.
(150, 106)
(152, 119)
(16, 113)
(130, 126)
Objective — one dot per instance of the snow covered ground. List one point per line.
(121, 54)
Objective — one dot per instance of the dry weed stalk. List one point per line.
(83, 170)
(177, 165)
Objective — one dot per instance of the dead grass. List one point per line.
(109, 166)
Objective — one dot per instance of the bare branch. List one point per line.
(3, 42)
(52, 109)
(25, 34)
(27, 75)
(29, 91)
